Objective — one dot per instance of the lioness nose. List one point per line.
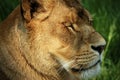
(98, 48)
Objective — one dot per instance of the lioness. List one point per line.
(49, 40)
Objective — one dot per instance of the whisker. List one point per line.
(76, 65)
(86, 60)
(60, 69)
(84, 56)
(64, 66)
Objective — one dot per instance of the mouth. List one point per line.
(84, 69)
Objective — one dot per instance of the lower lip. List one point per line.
(91, 66)
(84, 69)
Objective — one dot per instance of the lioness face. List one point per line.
(76, 45)
(66, 31)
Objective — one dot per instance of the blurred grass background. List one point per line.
(106, 15)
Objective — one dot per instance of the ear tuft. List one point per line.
(33, 6)
(28, 8)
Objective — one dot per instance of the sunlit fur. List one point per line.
(46, 40)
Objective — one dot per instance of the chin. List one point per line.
(87, 74)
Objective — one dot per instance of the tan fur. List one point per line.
(43, 45)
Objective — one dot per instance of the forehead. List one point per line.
(78, 8)
(65, 6)
(73, 9)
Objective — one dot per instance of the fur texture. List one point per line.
(49, 40)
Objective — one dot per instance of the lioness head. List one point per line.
(63, 29)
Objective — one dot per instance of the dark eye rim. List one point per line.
(69, 26)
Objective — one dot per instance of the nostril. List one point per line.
(98, 48)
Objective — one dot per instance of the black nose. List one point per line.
(98, 48)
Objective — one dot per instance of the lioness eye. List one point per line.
(69, 25)
(72, 26)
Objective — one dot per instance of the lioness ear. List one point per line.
(30, 8)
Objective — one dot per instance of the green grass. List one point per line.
(106, 15)
(6, 6)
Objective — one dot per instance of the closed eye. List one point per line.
(69, 25)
